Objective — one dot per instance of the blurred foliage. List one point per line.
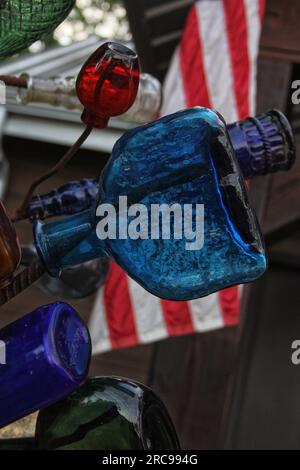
(105, 18)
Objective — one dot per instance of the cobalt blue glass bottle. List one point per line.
(45, 356)
(107, 413)
(185, 159)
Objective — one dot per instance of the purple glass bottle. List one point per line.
(44, 356)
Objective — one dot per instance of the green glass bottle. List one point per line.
(107, 413)
(22, 22)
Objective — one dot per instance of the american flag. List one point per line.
(213, 66)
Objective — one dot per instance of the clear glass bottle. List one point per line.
(60, 91)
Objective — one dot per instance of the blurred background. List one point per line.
(105, 18)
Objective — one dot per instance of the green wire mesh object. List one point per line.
(23, 22)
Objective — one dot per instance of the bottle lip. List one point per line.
(121, 50)
(63, 352)
(42, 249)
(289, 136)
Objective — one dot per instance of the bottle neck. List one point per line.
(71, 198)
(264, 144)
(68, 242)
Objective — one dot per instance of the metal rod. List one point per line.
(20, 213)
(11, 80)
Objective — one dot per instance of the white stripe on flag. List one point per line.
(254, 27)
(98, 326)
(148, 313)
(216, 58)
(173, 92)
(206, 313)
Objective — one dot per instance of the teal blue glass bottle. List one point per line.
(187, 159)
(107, 413)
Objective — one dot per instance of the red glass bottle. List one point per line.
(10, 252)
(108, 83)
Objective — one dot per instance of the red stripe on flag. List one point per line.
(230, 305)
(191, 62)
(236, 26)
(261, 9)
(177, 317)
(118, 309)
